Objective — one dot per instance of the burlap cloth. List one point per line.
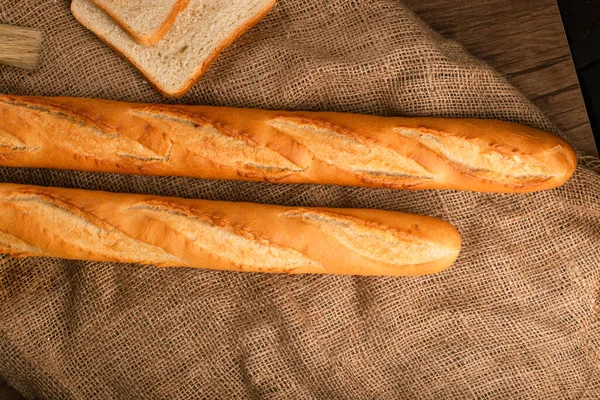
(516, 317)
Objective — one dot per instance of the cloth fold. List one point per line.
(516, 317)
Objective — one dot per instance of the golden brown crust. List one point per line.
(101, 226)
(280, 146)
(145, 40)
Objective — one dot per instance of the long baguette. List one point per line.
(280, 146)
(101, 226)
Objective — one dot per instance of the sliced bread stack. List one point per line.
(171, 42)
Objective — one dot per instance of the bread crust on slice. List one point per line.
(191, 44)
(148, 37)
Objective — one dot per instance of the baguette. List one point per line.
(100, 226)
(280, 146)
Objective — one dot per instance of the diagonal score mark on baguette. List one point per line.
(372, 240)
(84, 135)
(466, 154)
(10, 244)
(214, 142)
(224, 240)
(341, 148)
(9, 142)
(82, 229)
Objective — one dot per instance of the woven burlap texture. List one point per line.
(516, 317)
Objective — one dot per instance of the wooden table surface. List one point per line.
(525, 41)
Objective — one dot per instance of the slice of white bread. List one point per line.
(201, 31)
(146, 21)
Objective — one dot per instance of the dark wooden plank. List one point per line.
(590, 80)
(583, 30)
(524, 41)
(581, 20)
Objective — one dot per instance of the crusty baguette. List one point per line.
(101, 226)
(201, 31)
(146, 21)
(280, 146)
